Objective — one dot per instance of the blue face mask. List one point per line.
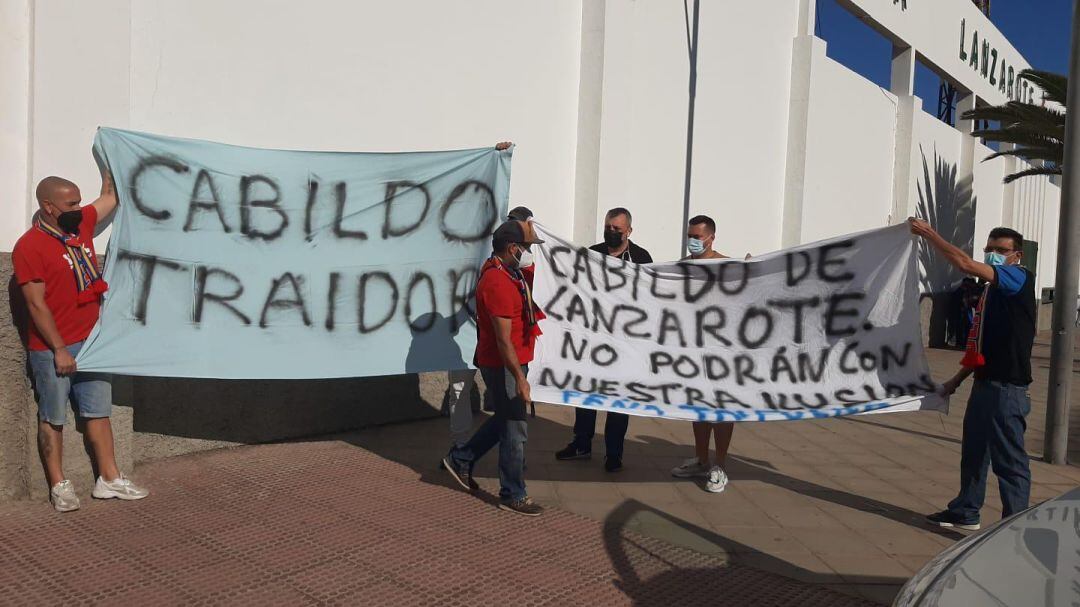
(995, 259)
(695, 246)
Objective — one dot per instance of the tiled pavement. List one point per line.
(835, 506)
(837, 503)
(328, 523)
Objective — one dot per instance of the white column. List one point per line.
(16, 76)
(902, 81)
(902, 84)
(590, 111)
(807, 51)
(966, 169)
(807, 17)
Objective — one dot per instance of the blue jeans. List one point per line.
(90, 392)
(507, 427)
(994, 426)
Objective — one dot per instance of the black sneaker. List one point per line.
(613, 464)
(948, 519)
(524, 506)
(572, 452)
(461, 473)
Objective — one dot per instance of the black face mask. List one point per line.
(70, 220)
(612, 239)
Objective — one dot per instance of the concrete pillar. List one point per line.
(902, 81)
(902, 84)
(807, 17)
(590, 110)
(1008, 194)
(16, 103)
(807, 51)
(966, 169)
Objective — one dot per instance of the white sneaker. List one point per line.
(717, 480)
(690, 468)
(63, 497)
(121, 488)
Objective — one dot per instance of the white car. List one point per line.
(1031, 558)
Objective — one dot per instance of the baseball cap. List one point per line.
(513, 231)
(520, 214)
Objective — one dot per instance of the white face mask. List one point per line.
(525, 260)
(524, 257)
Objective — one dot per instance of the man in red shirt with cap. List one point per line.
(56, 267)
(506, 320)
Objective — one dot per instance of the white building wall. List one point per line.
(643, 128)
(740, 135)
(849, 153)
(16, 82)
(325, 75)
(1048, 238)
(427, 74)
(990, 196)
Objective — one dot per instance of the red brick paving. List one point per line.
(331, 523)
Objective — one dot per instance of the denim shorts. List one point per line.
(91, 393)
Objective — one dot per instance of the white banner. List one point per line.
(821, 330)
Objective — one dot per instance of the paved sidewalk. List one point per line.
(833, 506)
(330, 523)
(838, 503)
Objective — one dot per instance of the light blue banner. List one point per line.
(242, 263)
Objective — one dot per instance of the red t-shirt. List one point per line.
(498, 295)
(40, 257)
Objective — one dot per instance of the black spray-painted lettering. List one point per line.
(797, 305)
(331, 299)
(202, 276)
(294, 302)
(341, 195)
(396, 192)
(249, 183)
(834, 312)
(490, 208)
(144, 165)
(362, 301)
(204, 184)
(148, 264)
(420, 327)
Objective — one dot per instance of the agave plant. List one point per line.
(1037, 132)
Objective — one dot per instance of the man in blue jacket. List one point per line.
(999, 354)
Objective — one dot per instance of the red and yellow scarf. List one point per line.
(87, 277)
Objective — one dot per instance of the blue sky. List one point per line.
(1039, 29)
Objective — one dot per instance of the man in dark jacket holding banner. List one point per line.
(999, 354)
(617, 229)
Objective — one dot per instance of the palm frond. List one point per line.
(1046, 170)
(1031, 154)
(1054, 86)
(1016, 136)
(1015, 112)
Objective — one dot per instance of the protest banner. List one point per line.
(820, 330)
(234, 262)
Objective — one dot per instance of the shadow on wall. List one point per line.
(242, 411)
(948, 204)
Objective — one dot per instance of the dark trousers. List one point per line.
(994, 426)
(614, 431)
